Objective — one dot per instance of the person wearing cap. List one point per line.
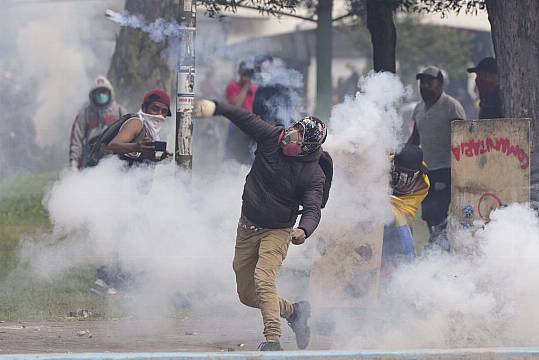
(135, 139)
(94, 118)
(135, 145)
(410, 185)
(285, 174)
(488, 86)
(432, 119)
(240, 93)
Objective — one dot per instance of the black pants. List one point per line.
(436, 205)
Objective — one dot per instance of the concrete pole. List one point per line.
(324, 47)
(185, 86)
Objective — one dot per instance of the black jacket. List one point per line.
(277, 184)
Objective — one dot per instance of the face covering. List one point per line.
(485, 86)
(102, 99)
(427, 95)
(291, 142)
(152, 123)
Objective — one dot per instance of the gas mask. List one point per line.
(292, 141)
(403, 180)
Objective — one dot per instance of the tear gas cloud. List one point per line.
(178, 239)
(483, 296)
(54, 73)
(363, 131)
(174, 239)
(158, 30)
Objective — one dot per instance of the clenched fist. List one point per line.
(298, 236)
(203, 108)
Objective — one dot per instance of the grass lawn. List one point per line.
(21, 296)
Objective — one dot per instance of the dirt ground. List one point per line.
(176, 335)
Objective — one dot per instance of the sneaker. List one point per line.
(299, 323)
(112, 291)
(270, 346)
(100, 288)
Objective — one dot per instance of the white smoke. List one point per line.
(74, 46)
(276, 72)
(175, 239)
(481, 297)
(159, 30)
(363, 132)
(48, 64)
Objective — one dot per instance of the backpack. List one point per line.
(97, 145)
(326, 163)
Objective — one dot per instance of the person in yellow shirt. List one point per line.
(410, 184)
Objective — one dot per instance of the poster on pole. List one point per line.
(186, 88)
(490, 168)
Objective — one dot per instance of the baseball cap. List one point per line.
(487, 65)
(431, 72)
(159, 95)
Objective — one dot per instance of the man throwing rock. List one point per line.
(284, 176)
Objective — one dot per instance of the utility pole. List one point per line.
(324, 47)
(185, 86)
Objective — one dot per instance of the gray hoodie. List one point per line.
(91, 121)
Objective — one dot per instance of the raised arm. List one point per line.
(248, 122)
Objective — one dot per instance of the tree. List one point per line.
(383, 34)
(515, 34)
(515, 29)
(420, 45)
(138, 63)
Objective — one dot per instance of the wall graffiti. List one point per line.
(467, 217)
(477, 147)
(488, 202)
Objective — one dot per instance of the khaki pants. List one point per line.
(257, 259)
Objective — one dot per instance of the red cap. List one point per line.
(159, 95)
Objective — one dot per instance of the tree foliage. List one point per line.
(215, 8)
(419, 45)
(442, 7)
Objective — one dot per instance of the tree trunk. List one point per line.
(138, 64)
(383, 34)
(324, 48)
(515, 35)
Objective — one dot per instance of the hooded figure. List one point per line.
(410, 184)
(94, 118)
